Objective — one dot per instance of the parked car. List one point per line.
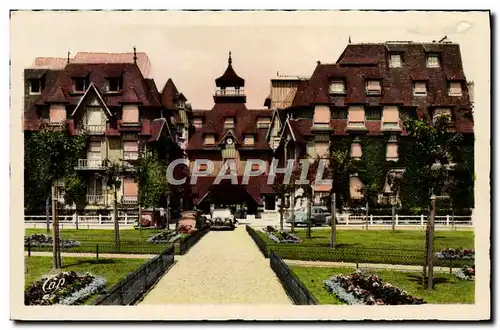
(318, 216)
(329, 218)
(222, 218)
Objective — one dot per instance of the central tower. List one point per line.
(230, 86)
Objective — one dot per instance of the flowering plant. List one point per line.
(67, 288)
(467, 273)
(167, 236)
(358, 289)
(455, 254)
(46, 240)
(280, 236)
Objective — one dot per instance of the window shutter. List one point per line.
(455, 88)
(129, 187)
(130, 146)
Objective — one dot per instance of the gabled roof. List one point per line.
(170, 94)
(157, 126)
(276, 116)
(135, 87)
(230, 133)
(300, 129)
(230, 78)
(92, 90)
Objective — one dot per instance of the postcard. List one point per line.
(250, 165)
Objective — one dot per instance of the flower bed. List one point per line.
(359, 289)
(448, 254)
(467, 273)
(36, 240)
(67, 288)
(164, 237)
(280, 236)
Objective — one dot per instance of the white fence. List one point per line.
(402, 220)
(84, 221)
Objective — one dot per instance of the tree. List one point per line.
(50, 155)
(75, 190)
(339, 172)
(113, 177)
(435, 145)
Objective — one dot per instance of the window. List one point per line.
(209, 139)
(410, 113)
(270, 202)
(203, 167)
(395, 61)
(373, 114)
(263, 122)
(229, 122)
(249, 140)
(130, 150)
(356, 150)
(337, 87)
(80, 84)
(35, 86)
(339, 113)
(373, 87)
(454, 88)
(198, 122)
(114, 84)
(420, 88)
(181, 104)
(441, 112)
(255, 167)
(432, 61)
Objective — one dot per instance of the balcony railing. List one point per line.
(391, 126)
(129, 199)
(356, 125)
(130, 155)
(95, 199)
(230, 92)
(93, 129)
(90, 164)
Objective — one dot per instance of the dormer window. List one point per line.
(395, 61)
(454, 88)
(337, 87)
(80, 84)
(249, 140)
(263, 122)
(432, 61)
(373, 113)
(339, 113)
(420, 88)
(114, 84)
(181, 104)
(198, 122)
(35, 86)
(209, 139)
(373, 87)
(229, 122)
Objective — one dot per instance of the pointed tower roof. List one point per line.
(170, 94)
(230, 78)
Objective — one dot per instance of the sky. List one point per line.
(192, 47)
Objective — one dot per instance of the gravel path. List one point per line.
(310, 263)
(224, 267)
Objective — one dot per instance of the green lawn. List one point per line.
(371, 246)
(447, 290)
(113, 270)
(131, 240)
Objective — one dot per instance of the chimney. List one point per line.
(135, 56)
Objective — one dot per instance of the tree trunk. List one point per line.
(333, 225)
(393, 217)
(430, 244)
(117, 225)
(47, 212)
(424, 269)
(309, 220)
(366, 219)
(76, 216)
(292, 212)
(281, 213)
(56, 262)
(168, 212)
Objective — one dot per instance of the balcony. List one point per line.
(93, 129)
(356, 126)
(391, 127)
(95, 199)
(91, 164)
(130, 155)
(129, 199)
(229, 92)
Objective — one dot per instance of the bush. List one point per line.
(39, 240)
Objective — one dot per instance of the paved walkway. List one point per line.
(92, 255)
(310, 263)
(224, 267)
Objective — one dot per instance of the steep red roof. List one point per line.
(360, 62)
(135, 87)
(170, 94)
(157, 126)
(301, 129)
(245, 123)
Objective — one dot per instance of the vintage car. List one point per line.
(222, 218)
